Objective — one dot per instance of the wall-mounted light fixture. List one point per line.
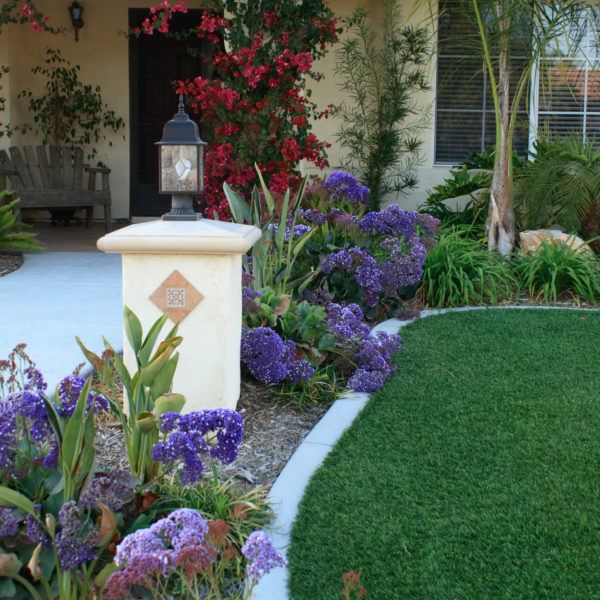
(76, 13)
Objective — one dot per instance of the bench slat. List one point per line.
(44, 166)
(56, 167)
(34, 169)
(77, 169)
(67, 168)
(24, 179)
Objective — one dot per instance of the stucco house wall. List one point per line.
(103, 55)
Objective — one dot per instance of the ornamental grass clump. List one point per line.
(458, 271)
(558, 272)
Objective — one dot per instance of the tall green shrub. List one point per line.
(381, 120)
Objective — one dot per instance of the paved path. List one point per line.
(55, 296)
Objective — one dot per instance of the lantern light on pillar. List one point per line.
(181, 165)
(76, 13)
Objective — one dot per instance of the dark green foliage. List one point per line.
(69, 112)
(561, 187)
(461, 182)
(12, 237)
(380, 76)
(557, 272)
(473, 474)
(460, 271)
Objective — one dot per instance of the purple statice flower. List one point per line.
(69, 390)
(300, 370)
(249, 300)
(430, 226)
(347, 322)
(318, 296)
(35, 380)
(391, 221)
(298, 231)
(265, 354)
(34, 531)
(148, 556)
(312, 215)
(271, 359)
(261, 554)
(76, 542)
(8, 433)
(374, 361)
(186, 440)
(364, 267)
(343, 185)
(405, 264)
(113, 490)
(10, 522)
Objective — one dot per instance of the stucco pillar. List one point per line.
(191, 270)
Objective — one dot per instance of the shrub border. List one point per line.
(288, 490)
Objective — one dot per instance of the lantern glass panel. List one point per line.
(179, 169)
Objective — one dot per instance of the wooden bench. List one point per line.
(50, 177)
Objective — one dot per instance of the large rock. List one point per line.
(532, 240)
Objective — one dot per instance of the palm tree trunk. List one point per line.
(501, 231)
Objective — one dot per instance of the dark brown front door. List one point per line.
(157, 61)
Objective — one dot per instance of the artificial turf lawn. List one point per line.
(474, 474)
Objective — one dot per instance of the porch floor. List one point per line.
(75, 237)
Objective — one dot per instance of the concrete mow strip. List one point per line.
(287, 491)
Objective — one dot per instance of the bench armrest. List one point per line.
(103, 170)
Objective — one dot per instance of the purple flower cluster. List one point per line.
(23, 414)
(391, 221)
(404, 267)
(261, 554)
(249, 300)
(336, 216)
(271, 359)
(69, 390)
(343, 185)
(10, 522)
(374, 361)
(113, 490)
(364, 268)
(372, 354)
(76, 542)
(148, 557)
(193, 437)
(298, 231)
(430, 226)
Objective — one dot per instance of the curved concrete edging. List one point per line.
(288, 489)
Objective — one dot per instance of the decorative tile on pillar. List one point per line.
(176, 297)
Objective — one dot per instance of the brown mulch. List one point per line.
(9, 263)
(272, 433)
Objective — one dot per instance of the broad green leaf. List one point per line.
(164, 380)
(169, 403)
(74, 431)
(13, 498)
(268, 198)
(120, 367)
(280, 235)
(151, 370)
(240, 210)
(133, 330)
(146, 422)
(93, 359)
(151, 339)
(7, 588)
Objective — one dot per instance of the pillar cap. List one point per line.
(181, 237)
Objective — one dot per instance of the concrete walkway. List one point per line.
(56, 296)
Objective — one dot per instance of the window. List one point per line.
(564, 95)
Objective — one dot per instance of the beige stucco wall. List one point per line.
(102, 52)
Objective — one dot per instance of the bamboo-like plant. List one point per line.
(381, 120)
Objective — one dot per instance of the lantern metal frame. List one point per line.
(182, 131)
(76, 14)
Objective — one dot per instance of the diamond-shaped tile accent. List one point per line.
(176, 297)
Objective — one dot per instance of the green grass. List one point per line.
(474, 474)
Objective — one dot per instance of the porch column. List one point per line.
(192, 271)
